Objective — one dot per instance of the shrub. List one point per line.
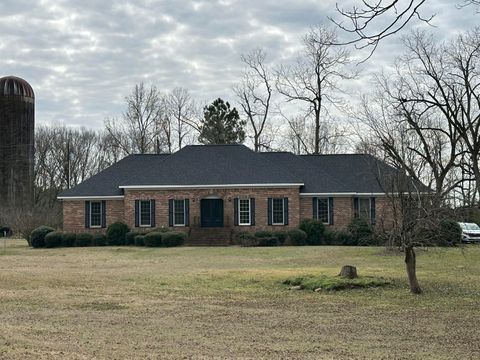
(268, 241)
(99, 239)
(297, 237)
(68, 239)
(130, 237)
(53, 239)
(450, 233)
(84, 239)
(116, 233)
(281, 236)
(361, 232)
(173, 238)
(37, 237)
(314, 230)
(153, 239)
(245, 238)
(161, 230)
(139, 240)
(263, 233)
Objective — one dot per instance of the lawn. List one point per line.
(222, 303)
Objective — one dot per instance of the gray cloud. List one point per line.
(82, 58)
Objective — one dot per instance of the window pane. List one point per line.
(145, 213)
(323, 210)
(364, 205)
(95, 213)
(277, 211)
(244, 211)
(179, 212)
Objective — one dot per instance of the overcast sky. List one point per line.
(83, 57)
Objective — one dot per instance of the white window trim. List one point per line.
(180, 225)
(95, 226)
(249, 213)
(140, 214)
(328, 209)
(283, 212)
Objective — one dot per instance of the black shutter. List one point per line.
(152, 213)
(356, 210)
(104, 214)
(330, 210)
(187, 212)
(315, 208)
(269, 212)
(285, 211)
(372, 210)
(252, 211)
(170, 212)
(235, 212)
(137, 213)
(87, 214)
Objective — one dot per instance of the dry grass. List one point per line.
(136, 303)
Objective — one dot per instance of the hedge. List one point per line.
(140, 240)
(37, 236)
(314, 230)
(99, 239)
(68, 239)
(53, 239)
(153, 239)
(173, 238)
(297, 237)
(84, 239)
(116, 233)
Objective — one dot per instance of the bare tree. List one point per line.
(139, 130)
(313, 79)
(375, 20)
(255, 92)
(180, 113)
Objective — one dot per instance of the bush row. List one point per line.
(117, 234)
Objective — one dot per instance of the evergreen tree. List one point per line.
(221, 125)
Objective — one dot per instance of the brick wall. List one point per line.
(74, 215)
(299, 208)
(161, 198)
(344, 213)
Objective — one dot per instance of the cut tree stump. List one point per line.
(349, 272)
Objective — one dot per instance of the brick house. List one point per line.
(212, 191)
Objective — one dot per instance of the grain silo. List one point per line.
(17, 121)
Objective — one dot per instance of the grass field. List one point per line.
(222, 303)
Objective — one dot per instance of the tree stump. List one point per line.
(349, 272)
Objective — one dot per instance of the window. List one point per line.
(244, 212)
(145, 213)
(178, 212)
(277, 211)
(95, 214)
(364, 208)
(322, 210)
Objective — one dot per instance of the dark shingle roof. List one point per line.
(107, 182)
(315, 178)
(236, 164)
(212, 165)
(362, 173)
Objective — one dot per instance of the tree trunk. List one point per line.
(411, 262)
(349, 272)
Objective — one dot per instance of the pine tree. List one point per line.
(221, 125)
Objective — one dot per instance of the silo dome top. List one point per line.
(15, 86)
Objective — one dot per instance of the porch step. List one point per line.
(209, 237)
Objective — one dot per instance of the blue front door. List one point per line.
(211, 212)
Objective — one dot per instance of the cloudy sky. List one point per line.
(83, 57)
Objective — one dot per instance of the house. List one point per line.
(212, 191)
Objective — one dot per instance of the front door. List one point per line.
(211, 211)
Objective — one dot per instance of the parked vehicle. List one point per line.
(470, 232)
